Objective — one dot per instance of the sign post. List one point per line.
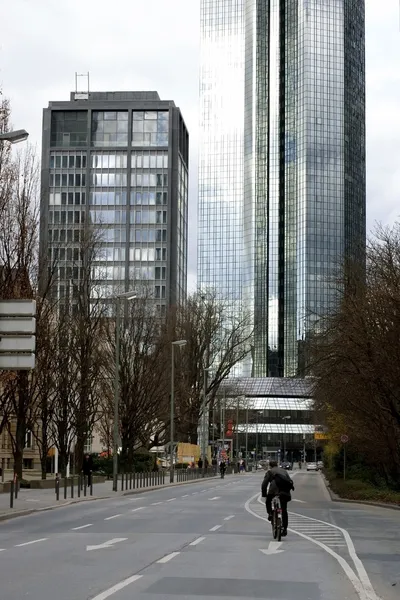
(344, 439)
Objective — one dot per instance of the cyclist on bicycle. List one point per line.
(279, 484)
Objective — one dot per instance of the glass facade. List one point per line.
(126, 172)
(221, 147)
(303, 130)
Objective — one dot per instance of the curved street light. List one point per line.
(19, 135)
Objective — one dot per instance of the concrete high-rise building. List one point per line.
(118, 161)
(282, 162)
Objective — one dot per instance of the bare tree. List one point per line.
(217, 338)
(144, 377)
(18, 260)
(356, 357)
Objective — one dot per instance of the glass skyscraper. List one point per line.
(282, 162)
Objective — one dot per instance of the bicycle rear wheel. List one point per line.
(274, 524)
(278, 528)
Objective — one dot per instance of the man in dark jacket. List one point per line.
(87, 468)
(273, 477)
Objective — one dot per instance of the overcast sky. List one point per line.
(154, 45)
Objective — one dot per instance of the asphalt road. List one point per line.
(203, 541)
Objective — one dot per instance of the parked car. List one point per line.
(312, 466)
(320, 464)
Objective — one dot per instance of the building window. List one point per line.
(110, 128)
(69, 128)
(28, 439)
(150, 128)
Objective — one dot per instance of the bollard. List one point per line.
(84, 485)
(72, 487)
(3, 468)
(79, 486)
(122, 482)
(130, 480)
(65, 487)
(57, 487)
(16, 487)
(12, 494)
(134, 480)
(91, 485)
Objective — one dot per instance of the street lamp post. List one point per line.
(172, 416)
(204, 427)
(19, 135)
(284, 437)
(126, 296)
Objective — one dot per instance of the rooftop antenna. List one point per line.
(81, 89)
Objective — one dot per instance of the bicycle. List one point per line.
(276, 520)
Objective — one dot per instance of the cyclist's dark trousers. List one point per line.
(284, 503)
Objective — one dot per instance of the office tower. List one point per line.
(119, 161)
(300, 201)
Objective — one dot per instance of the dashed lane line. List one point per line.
(229, 518)
(171, 499)
(168, 557)
(155, 503)
(31, 542)
(113, 517)
(215, 527)
(115, 588)
(195, 542)
(81, 527)
(138, 508)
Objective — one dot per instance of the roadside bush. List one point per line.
(183, 465)
(354, 489)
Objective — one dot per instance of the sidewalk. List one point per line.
(30, 501)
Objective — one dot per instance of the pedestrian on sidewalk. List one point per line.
(87, 468)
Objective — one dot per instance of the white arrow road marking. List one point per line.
(273, 548)
(108, 544)
(169, 557)
(117, 587)
(215, 498)
(32, 542)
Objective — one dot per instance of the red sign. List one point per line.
(229, 431)
(344, 439)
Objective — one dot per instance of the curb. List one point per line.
(26, 512)
(336, 498)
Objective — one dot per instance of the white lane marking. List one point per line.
(203, 491)
(81, 527)
(156, 503)
(215, 498)
(185, 496)
(215, 527)
(113, 517)
(32, 542)
(138, 508)
(108, 544)
(195, 542)
(171, 499)
(194, 493)
(167, 558)
(273, 548)
(31, 500)
(365, 592)
(301, 501)
(117, 587)
(2, 549)
(229, 518)
(362, 573)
